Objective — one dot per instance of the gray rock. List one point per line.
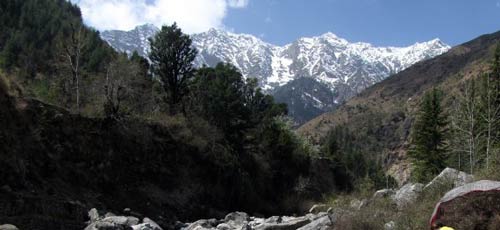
(407, 194)
(8, 227)
(357, 204)
(113, 222)
(223, 226)
(273, 220)
(237, 216)
(237, 220)
(318, 208)
(451, 177)
(107, 226)
(383, 193)
(391, 225)
(122, 220)
(145, 226)
(246, 227)
(319, 224)
(93, 215)
(108, 214)
(288, 223)
(153, 224)
(203, 224)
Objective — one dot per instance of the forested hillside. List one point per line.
(381, 118)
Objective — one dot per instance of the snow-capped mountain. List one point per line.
(343, 67)
(130, 41)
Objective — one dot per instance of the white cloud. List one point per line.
(238, 3)
(192, 16)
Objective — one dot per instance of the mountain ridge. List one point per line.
(344, 68)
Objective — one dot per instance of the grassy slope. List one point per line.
(382, 115)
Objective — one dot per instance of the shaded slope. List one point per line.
(306, 98)
(382, 115)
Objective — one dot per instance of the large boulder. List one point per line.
(451, 177)
(471, 206)
(407, 194)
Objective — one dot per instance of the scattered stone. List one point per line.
(8, 227)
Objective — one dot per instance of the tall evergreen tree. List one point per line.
(428, 147)
(171, 58)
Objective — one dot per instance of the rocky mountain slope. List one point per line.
(382, 114)
(341, 67)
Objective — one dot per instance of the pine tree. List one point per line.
(171, 61)
(428, 147)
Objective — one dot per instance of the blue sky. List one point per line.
(380, 22)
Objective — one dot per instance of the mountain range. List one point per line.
(337, 68)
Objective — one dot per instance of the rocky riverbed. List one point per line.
(319, 217)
